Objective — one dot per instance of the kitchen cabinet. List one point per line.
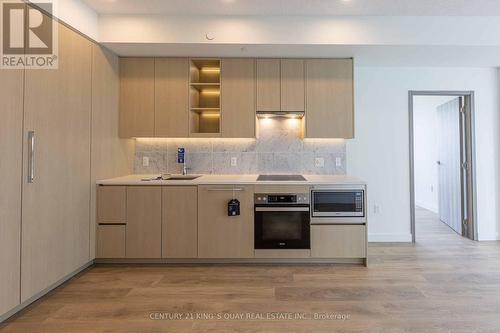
(11, 138)
(111, 205)
(220, 235)
(292, 85)
(268, 84)
(171, 95)
(329, 98)
(137, 97)
(111, 241)
(338, 241)
(143, 239)
(238, 98)
(280, 85)
(179, 222)
(55, 209)
(112, 156)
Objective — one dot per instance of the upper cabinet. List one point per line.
(171, 95)
(280, 85)
(329, 98)
(268, 84)
(137, 97)
(292, 85)
(204, 97)
(238, 98)
(182, 97)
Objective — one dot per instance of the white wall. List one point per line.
(79, 16)
(380, 152)
(425, 123)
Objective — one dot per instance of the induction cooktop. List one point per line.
(281, 178)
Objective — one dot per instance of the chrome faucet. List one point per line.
(185, 169)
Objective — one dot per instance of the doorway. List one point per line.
(442, 180)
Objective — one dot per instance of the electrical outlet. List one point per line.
(338, 162)
(376, 209)
(432, 188)
(234, 161)
(319, 162)
(145, 161)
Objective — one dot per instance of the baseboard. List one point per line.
(44, 292)
(202, 261)
(489, 237)
(389, 238)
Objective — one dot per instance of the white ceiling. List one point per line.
(300, 7)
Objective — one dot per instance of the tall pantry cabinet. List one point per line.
(60, 128)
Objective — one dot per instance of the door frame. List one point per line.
(470, 149)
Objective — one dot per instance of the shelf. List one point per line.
(206, 86)
(205, 109)
(205, 89)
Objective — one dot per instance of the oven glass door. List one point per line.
(282, 227)
(338, 203)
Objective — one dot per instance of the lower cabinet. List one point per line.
(143, 236)
(220, 235)
(110, 241)
(179, 222)
(338, 241)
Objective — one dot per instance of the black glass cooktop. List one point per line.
(281, 178)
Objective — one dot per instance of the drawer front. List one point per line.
(111, 204)
(111, 241)
(338, 241)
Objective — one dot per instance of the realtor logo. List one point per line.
(29, 35)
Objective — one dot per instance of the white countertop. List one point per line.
(230, 179)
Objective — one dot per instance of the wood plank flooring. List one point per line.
(444, 283)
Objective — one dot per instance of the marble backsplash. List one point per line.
(278, 148)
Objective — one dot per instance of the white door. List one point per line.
(450, 211)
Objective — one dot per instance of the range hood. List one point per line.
(282, 114)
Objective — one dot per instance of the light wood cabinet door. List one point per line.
(111, 241)
(111, 155)
(11, 138)
(55, 228)
(171, 86)
(292, 85)
(220, 235)
(238, 98)
(329, 98)
(180, 222)
(268, 84)
(338, 241)
(111, 204)
(137, 97)
(143, 222)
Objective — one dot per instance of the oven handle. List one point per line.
(281, 209)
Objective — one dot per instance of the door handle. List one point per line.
(226, 189)
(281, 209)
(31, 156)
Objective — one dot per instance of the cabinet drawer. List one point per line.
(338, 241)
(111, 204)
(111, 241)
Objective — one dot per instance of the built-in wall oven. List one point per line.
(282, 221)
(339, 204)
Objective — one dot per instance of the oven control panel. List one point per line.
(281, 198)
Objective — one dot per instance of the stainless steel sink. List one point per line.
(181, 177)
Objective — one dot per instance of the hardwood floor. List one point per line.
(444, 283)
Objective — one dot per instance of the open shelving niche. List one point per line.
(204, 96)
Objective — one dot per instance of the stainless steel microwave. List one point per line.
(342, 204)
